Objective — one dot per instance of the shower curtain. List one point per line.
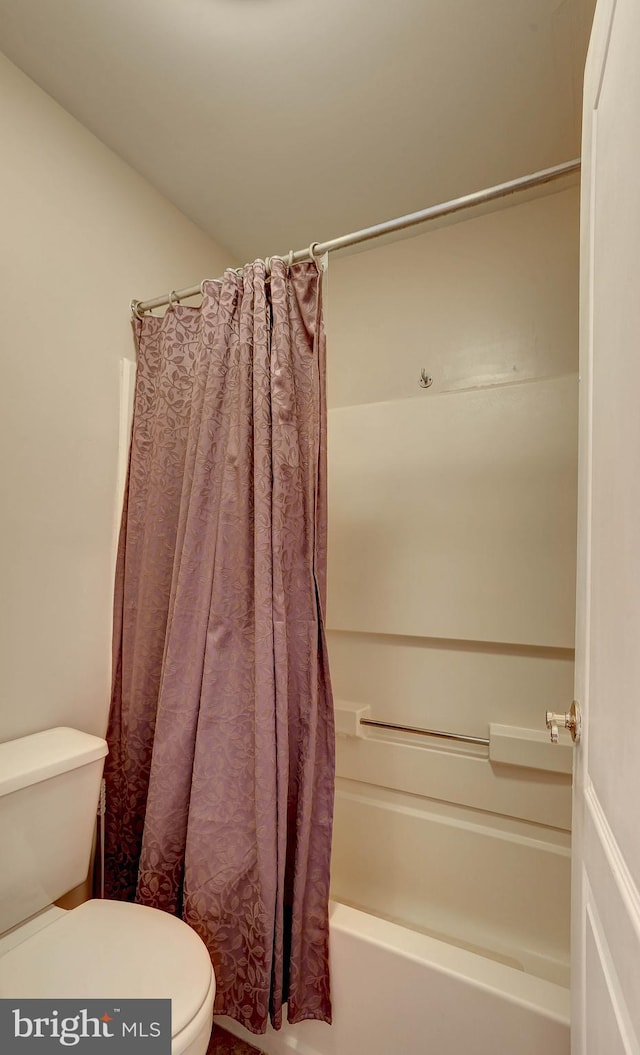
(221, 765)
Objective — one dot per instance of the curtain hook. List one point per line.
(312, 251)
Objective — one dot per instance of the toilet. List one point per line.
(49, 789)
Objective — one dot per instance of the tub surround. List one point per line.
(452, 579)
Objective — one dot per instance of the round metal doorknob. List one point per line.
(571, 720)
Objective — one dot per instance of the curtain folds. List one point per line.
(221, 766)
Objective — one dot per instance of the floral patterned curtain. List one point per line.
(221, 766)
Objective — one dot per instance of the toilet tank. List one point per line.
(49, 790)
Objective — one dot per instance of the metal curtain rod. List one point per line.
(461, 737)
(401, 223)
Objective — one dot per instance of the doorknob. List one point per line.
(571, 720)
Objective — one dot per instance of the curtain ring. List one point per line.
(173, 296)
(290, 259)
(267, 265)
(202, 286)
(135, 309)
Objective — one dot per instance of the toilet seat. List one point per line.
(115, 950)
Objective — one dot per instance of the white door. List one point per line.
(606, 870)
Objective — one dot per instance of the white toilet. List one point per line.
(49, 788)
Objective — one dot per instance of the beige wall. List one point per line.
(452, 516)
(81, 235)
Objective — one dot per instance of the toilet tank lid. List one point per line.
(47, 754)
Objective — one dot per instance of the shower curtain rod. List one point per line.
(401, 223)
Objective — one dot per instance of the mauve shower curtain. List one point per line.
(221, 765)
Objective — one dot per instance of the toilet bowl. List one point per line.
(108, 950)
(112, 950)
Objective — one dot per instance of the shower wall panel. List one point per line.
(452, 514)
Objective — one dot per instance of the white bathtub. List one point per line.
(399, 992)
(444, 940)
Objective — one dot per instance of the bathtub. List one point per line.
(399, 992)
(444, 939)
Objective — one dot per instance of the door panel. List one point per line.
(606, 876)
